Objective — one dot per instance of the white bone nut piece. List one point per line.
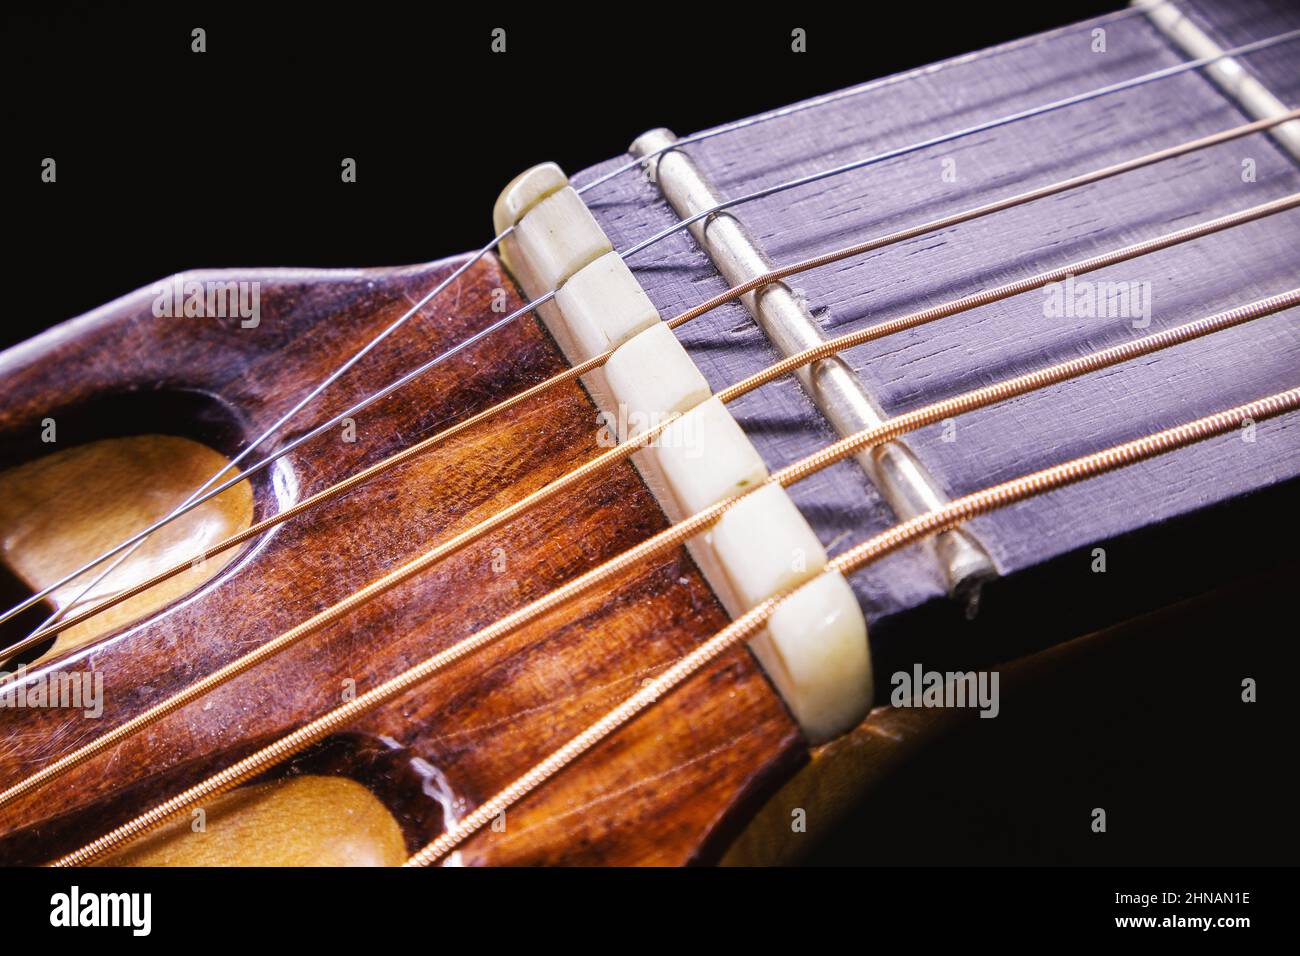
(651, 376)
(766, 546)
(603, 306)
(816, 653)
(559, 236)
(524, 192)
(706, 457)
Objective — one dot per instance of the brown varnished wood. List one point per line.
(83, 500)
(672, 788)
(306, 820)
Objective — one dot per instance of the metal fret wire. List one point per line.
(600, 463)
(870, 86)
(671, 537)
(770, 115)
(773, 275)
(393, 386)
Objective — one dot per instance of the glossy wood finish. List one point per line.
(670, 789)
(306, 820)
(57, 510)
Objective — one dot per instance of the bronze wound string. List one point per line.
(50, 628)
(669, 538)
(199, 498)
(601, 462)
(743, 628)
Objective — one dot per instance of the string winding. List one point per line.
(393, 688)
(598, 464)
(774, 275)
(903, 534)
(922, 526)
(266, 461)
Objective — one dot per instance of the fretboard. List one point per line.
(1059, 532)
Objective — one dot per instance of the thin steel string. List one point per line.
(1243, 50)
(197, 497)
(749, 122)
(701, 136)
(593, 467)
(743, 628)
(321, 727)
(867, 87)
(1075, 100)
(773, 275)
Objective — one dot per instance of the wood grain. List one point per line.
(308, 820)
(59, 510)
(1017, 335)
(671, 789)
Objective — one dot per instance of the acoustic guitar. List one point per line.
(729, 477)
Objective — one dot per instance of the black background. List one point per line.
(614, 911)
(170, 160)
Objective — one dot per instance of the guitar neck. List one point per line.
(1164, 504)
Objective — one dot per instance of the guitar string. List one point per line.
(127, 548)
(871, 86)
(468, 342)
(674, 536)
(734, 126)
(83, 592)
(963, 509)
(602, 461)
(773, 275)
